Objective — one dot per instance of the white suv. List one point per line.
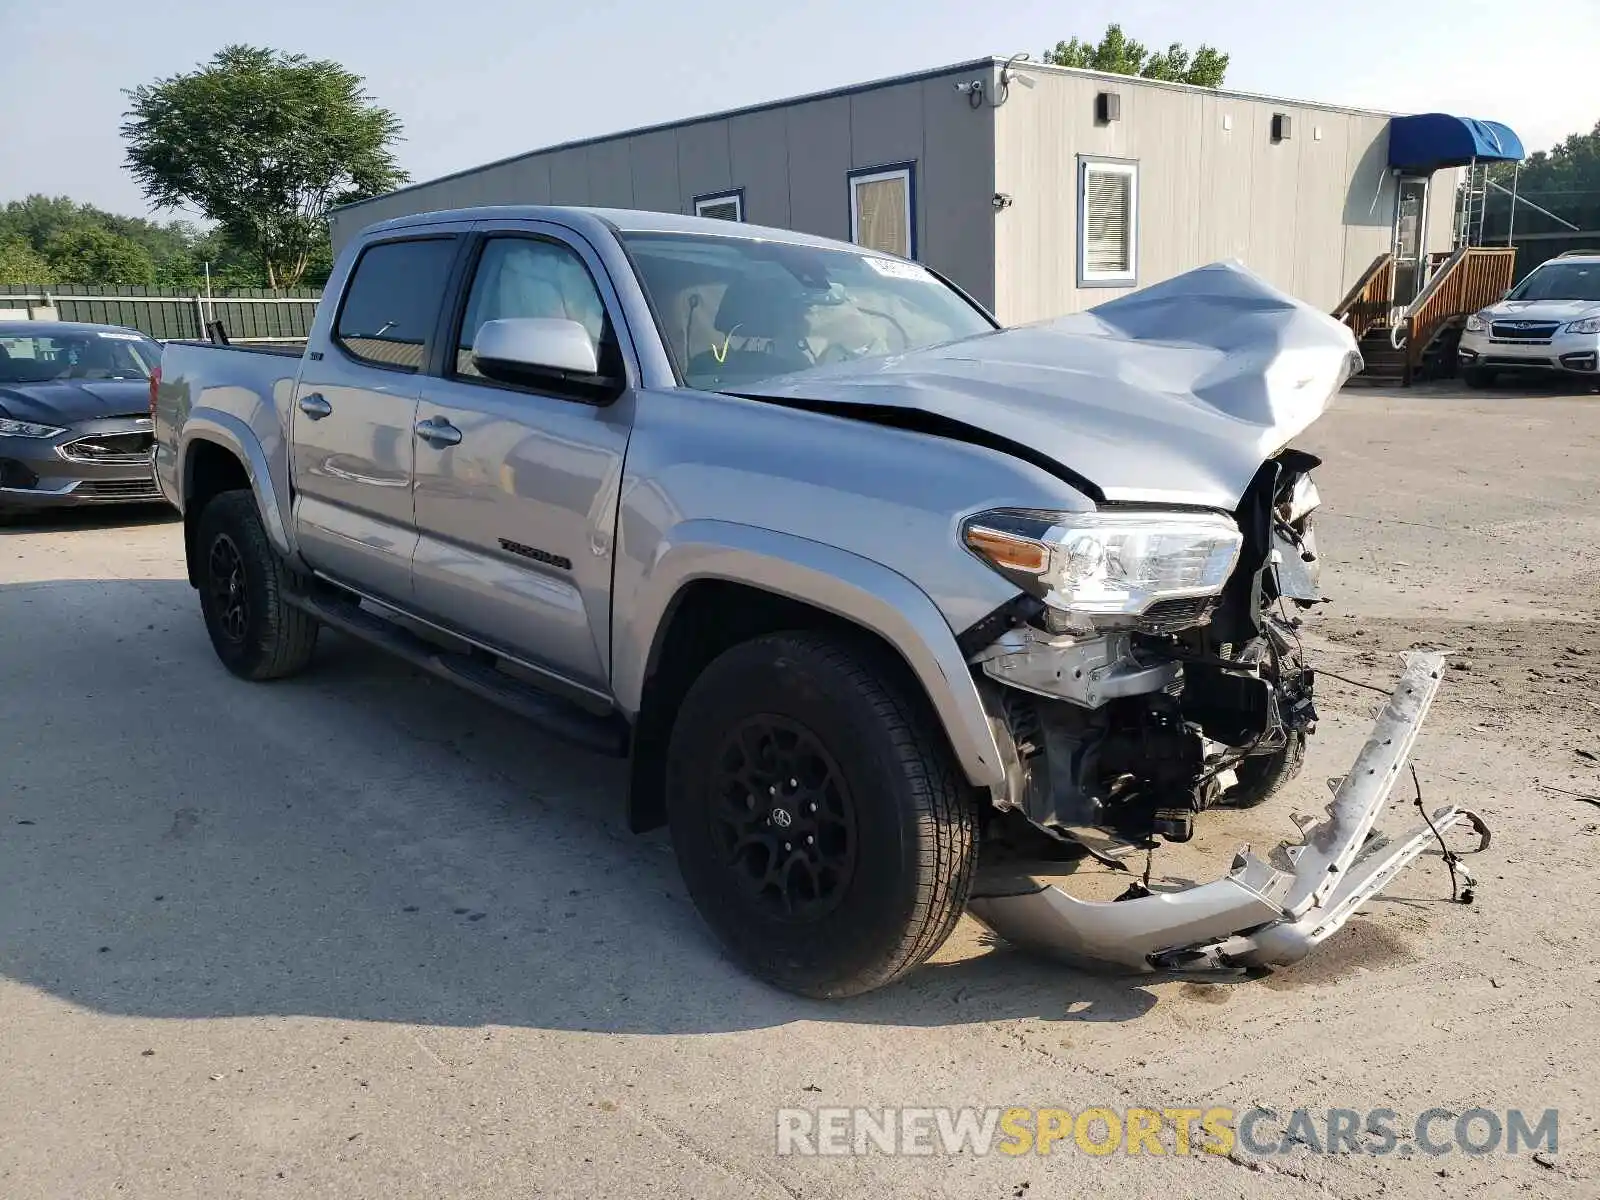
(1548, 322)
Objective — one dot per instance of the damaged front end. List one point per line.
(1153, 670)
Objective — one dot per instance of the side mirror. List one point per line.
(546, 352)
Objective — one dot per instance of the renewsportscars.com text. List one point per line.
(1254, 1132)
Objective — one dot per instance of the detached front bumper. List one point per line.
(1263, 913)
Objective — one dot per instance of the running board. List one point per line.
(601, 734)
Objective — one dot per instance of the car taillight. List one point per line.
(155, 384)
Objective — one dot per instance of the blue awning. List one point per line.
(1429, 141)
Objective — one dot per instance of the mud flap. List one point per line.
(1263, 913)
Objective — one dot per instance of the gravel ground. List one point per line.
(357, 934)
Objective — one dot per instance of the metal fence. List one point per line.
(248, 314)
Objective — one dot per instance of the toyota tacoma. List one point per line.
(865, 586)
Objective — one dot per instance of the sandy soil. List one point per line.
(357, 934)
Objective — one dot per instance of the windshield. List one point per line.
(91, 354)
(734, 310)
(1560, 281)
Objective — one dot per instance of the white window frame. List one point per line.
(906, 171)
(736, 195)
(1108, 166)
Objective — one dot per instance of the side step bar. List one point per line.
(559, 717)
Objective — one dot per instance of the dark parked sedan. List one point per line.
(74, 415)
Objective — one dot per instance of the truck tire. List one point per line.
(819, 819)
(254, 631)
(1263, 776)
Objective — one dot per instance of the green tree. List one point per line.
(263, 143)
(91, 255)
(1121, 55)
(39, 220)
(1573, 165)
(20, 263)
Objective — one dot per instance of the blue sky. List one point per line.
(477, 80)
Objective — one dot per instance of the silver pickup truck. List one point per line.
(861, 583)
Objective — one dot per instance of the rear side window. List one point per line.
(393, 301)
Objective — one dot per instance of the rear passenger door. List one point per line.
(516, 505)
(354, 408)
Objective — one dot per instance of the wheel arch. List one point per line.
(715, 584)
(221, 453)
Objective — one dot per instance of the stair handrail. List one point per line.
(1369, 299)
(1469, 279)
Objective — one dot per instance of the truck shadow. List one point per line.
(367, 843)
(104, 516)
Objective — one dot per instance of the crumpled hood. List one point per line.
(65, 401)
(1172, 394)
(1543, 310)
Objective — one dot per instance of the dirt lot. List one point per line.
(359, 935)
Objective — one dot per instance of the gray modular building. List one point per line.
(1039, 189)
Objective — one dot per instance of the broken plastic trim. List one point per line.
(1262, 913)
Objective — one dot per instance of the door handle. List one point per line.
(315, 406)
(437, 432)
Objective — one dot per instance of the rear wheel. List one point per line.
(256, 633)
(821, 824)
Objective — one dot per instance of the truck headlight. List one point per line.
(10, 428)
(1587, 325)
(1476, 323)
(1107, 564)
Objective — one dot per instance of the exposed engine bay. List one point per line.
(1117, 736)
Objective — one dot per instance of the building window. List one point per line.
(882, 208)
(721, 206)
(1108, 222)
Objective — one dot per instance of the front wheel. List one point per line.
(822, 827)
(1478, 377)
(1262, 776)
(254, 630)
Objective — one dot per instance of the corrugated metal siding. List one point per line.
(1369, 201)
(793, 162)
(1290, 210)
(819, 162)
(758, 146)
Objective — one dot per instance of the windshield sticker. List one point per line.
(895, 269)
(120, 337)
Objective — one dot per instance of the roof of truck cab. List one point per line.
(620, 220)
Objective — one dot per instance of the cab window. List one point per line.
(531, 277)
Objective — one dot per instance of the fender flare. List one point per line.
(235, 436)
(857, 589)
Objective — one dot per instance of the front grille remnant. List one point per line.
(109, 448)
(1167, 615)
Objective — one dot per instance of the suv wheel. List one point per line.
(821, 824)
(1478, 377)
(254, 631)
